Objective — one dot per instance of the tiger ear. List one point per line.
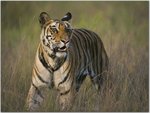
(67, 17)
(43, 18)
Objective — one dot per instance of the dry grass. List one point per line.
(123, 27)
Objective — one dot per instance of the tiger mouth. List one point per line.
(64, 48)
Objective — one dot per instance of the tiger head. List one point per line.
(55, 33)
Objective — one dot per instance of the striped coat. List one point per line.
(65, 70)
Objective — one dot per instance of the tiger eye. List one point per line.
(54, 30)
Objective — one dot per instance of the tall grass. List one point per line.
(123, 27)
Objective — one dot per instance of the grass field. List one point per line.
(124, 30)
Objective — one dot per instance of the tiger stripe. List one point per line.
(45, 64)
(38, 75)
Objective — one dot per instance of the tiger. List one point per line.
(64, 58)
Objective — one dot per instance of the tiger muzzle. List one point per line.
(60, 49)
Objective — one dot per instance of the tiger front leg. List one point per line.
(66, 100)
(36, 92)
(35, 98)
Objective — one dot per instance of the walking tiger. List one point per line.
(65, 56)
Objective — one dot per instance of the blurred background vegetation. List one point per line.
(124, 30)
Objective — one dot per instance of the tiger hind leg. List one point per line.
(79, 81)
(97, 81)
(35, 98)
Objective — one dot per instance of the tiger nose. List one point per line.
(57, 41)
